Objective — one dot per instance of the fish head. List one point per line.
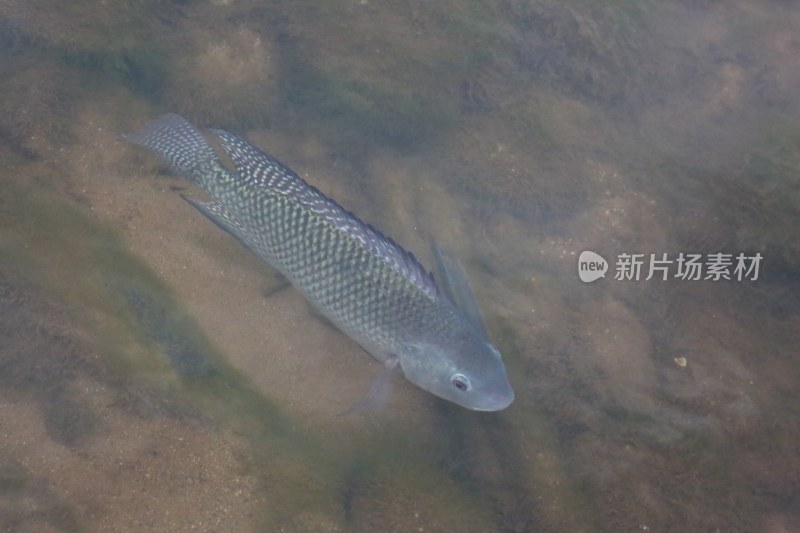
(466, 370)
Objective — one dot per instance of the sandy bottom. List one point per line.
(154, 375)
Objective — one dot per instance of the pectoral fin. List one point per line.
(379, 392)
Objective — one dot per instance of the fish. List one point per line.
(362, 281)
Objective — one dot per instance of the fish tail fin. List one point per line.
(180, 144)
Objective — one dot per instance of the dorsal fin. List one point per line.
(259, 169)
(453, 282)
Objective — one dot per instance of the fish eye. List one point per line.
(461, 382)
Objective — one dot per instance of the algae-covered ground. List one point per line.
(154, 375)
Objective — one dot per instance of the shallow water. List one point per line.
(156, 376)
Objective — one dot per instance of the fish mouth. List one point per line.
(496, 402)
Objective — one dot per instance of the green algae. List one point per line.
(54, 245)
(26, 504)
(115, 40)
(357, 114)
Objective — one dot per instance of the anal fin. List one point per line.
(217, 214)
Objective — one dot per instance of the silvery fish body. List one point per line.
(363, 282)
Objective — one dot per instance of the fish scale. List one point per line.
(361, 280)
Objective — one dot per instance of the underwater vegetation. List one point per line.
(29, 327)
(116, 39)
(165, 327)
(590, 51)
(223, 78)
(766, 195)
(30, 504)
(35, 96)
(82, 26)
(53, 55)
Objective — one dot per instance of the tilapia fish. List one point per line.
(360, 280)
